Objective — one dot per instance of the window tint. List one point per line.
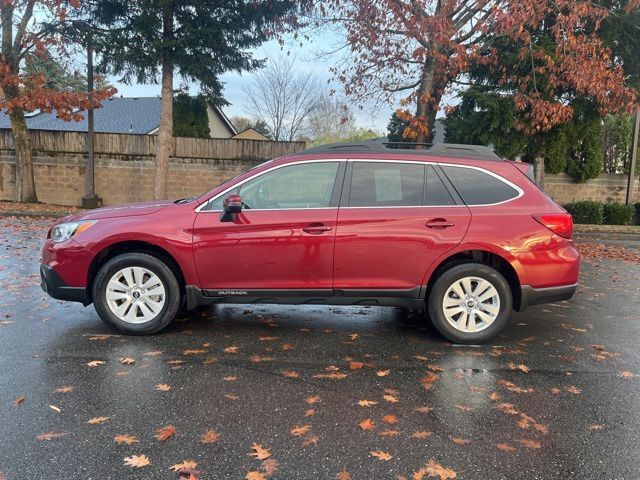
(437, 193)
(305, 185)
(382, 184)
(479, 188)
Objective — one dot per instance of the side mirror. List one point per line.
(231, 206)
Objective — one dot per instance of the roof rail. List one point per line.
(479, 152)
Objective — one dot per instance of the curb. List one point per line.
(34, 214)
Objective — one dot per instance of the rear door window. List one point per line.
(386, 184)
(477, 187)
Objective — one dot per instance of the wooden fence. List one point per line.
(145, 145)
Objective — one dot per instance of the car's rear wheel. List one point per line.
(136, 294)
(470, 303)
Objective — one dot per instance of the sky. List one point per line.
(307, 60)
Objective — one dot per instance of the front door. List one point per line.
(396, 218)
(282, 240)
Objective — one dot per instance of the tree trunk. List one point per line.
(538, 169)
(429, 97)
(25, 184)
(165, 133)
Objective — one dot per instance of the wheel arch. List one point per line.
(485, 257)
(133, 246)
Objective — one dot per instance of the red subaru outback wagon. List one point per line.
(453, 228)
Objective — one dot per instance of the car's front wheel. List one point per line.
(136, 294)
(470, 303)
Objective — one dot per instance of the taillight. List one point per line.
(559, 223)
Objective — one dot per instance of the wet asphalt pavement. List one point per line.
(557, 396)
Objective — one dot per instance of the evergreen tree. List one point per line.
(196, 39)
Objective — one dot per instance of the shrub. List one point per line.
(586, 211)
(617, 213)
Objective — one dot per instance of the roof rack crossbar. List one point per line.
(479, 152)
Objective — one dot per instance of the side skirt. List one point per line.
(383, 298)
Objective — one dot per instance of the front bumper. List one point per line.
(535, 296)
(53, 284)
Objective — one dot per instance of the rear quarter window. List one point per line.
(477, 187)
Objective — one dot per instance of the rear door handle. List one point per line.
(439, 223)
(316, 228)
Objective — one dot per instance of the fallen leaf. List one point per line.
(331, 376)
(514, 388)
(428, 379)
(95, 363)
(162, 387)
(255, 475)
(127, 361)
(421, 434)
(270, 466)
(97, 420)
(233, 349)
(313, 440)
(460, 441)
(367, 424)
(55, 409)
(193, 352)
(153, 354)
(391, 398)
(300, 430)
(343, 475)
(383, 373)
(51, 435)
(312, 400)
(573, 389)
(434, 469)
(464, 408)
(389, 433)
(19, 401)
(356, 365)
(390, 419)
(67, 389)
(505, 447)
(290, 374)
(186, 464)
(530, 443)
(521, 367)
(626, 374)
(596, 426)
(165, 433)
(423, 409)
(367, 403)
(259, 452)
(230, 378)
(384, 456)
(125, 439)
(210, 436)
(310, 412)
(137, 461)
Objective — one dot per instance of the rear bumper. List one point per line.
(535, 296)
(53, 284)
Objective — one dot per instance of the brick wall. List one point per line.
(607, 187)
(128, 177)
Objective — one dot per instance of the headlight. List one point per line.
(65, 231)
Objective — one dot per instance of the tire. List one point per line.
(490, 314)
(140, 313)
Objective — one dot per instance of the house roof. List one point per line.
(137, 115)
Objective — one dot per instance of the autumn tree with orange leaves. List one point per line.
(413, 51)
(26, 34)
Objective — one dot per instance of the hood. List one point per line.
(128, 210)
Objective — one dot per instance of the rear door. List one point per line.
(395, 218)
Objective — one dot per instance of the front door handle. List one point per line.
(316, 228)
(439, 223)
